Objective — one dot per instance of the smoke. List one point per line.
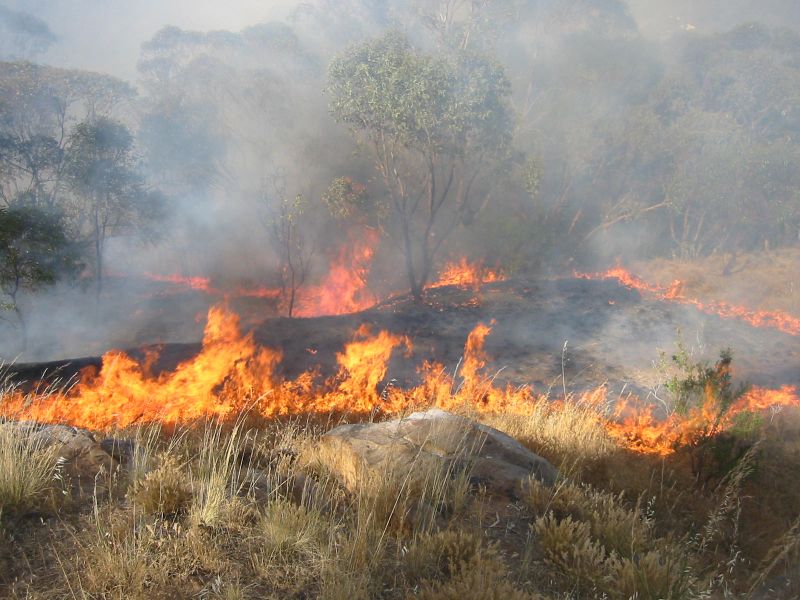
(106, 36)
(230, 102)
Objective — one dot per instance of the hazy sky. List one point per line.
(105, 35)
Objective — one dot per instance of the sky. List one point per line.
(105, 35)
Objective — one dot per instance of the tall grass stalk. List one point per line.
(27, 468)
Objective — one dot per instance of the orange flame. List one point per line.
(203, 284)
(463, 273)
(344, 289)
(232, 374)
(195, 283)
(757, 318)
(125, 391)
(644, 432)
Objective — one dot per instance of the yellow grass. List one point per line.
(220, 511)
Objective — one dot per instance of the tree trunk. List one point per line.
(98, 267)
(98, 255)
(413, 284)
(292, 291)
(23, 326)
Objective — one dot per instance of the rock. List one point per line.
(81, 456)
(436, 439)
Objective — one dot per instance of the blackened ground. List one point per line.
(591, 331)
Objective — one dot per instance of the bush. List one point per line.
(165, 491)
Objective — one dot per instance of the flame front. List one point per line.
(232, 374)
(642, 430)
(125, 391)
(343, 290)
(757, 318)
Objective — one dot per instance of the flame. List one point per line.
(757, 318)
(202, 284)
(232, 374)
(344, 289)
(126, 391)
(463, 273)
(643, 431)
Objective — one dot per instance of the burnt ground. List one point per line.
(612, 333)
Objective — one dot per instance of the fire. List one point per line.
(202, 284)
(642, 430)
(463, 273)
(344, 289)
(757, 318)
(232, 374)
(126, 391)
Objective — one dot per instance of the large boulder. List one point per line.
(435, 439)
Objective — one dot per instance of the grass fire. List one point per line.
(400, 299)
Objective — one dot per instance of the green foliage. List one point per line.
(707, 391)
(699, 384)
(532, 177)
(347, 199)
(109, 194)
(433, 123)
(389, 89)
(283, 222)
(34, 251)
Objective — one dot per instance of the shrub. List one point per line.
(441, 554)
(165, 491)
(568, 547)
(292, 532)
(480, 578)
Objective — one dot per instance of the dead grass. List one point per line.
(568, 433)
(218, 511)
(764, 280)
(28, 470)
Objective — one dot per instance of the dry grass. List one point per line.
(567, 433)
(217, 511)
(28, 469)
(765, 280)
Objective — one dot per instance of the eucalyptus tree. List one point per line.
(34, 253)
(109, 194)
(434, 125)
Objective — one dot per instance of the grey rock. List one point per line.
(428, 442)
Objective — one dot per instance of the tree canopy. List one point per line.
(433, 125)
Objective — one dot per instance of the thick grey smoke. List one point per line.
(230, 105)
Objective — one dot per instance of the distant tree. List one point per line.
(22, 35)
(39, 106)
(34, 252)
(109, 193)
(294, 252)
(218, 102)
(434, 125)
